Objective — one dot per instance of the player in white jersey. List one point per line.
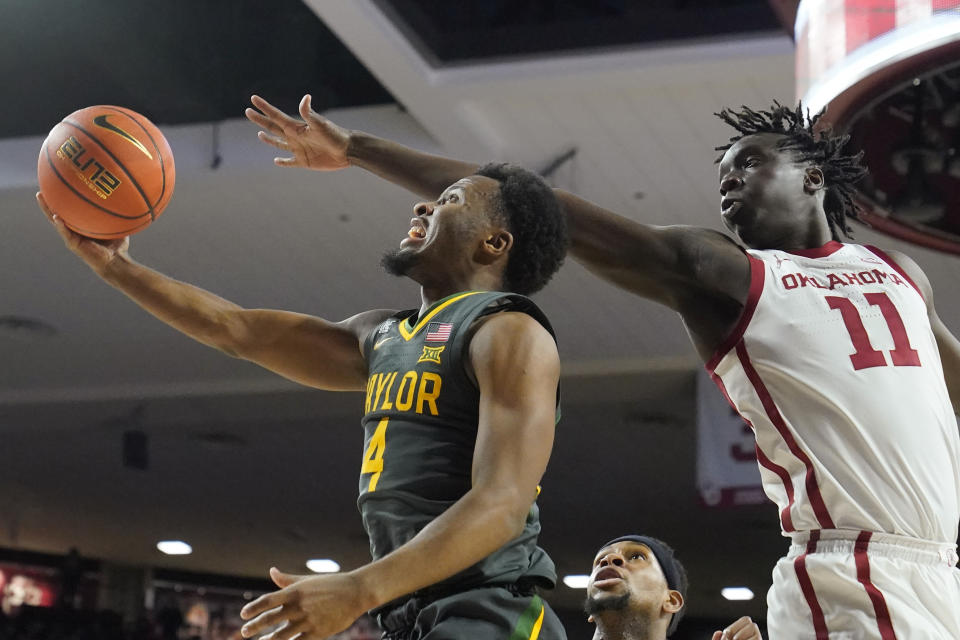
(832, 352)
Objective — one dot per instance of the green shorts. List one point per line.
(484, 613)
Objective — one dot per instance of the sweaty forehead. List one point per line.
(470, 186)
(760, 142)
(475, 189)
(478, 184)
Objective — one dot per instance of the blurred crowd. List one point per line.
(44, 623)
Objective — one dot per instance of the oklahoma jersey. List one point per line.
(835, 367)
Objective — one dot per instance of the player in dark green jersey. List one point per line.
(461, 403)
(420, 424)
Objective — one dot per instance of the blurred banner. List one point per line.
(727, 473)
(890, 72)
(840, 42)
(23, 586)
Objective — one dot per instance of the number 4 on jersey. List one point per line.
(865, 356)
(373, 458)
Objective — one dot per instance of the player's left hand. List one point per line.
(314, 142)
(98, 254)
(742, 629)
(315, 606)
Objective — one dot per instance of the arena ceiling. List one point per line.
(254, 470)
(179, 63)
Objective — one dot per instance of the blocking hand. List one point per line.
(315, 606)
(315, 142)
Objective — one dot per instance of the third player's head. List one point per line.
(783, 186)
(636, 586)
(503, 221)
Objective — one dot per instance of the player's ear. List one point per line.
(813, 180)
(496, 245)
(673, 602)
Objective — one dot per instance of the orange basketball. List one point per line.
(107, 172)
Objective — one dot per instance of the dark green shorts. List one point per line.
(486, 613)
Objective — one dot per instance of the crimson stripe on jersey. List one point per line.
(876, 598)
(893, 264)
(806, 585)
(773, 413)
(757, 271)
(786, 520)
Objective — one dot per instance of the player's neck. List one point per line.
(435, 290)
(616, 626)
(818, 233)
(813, 236)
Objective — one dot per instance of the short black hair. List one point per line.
(538, 224)
(822, 148)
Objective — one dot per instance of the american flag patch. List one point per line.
(438, 332)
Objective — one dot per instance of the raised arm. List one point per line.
(303, 348)
(673, 265)
(517, 369)
(947, 343)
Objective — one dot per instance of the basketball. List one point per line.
(106, 171)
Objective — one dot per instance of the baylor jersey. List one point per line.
(420, 426)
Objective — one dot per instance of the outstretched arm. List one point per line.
(305, 349)
(517, 369)
(668, 264)
(947, 343)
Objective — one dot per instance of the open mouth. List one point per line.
(606, 577)
(729, 206)
(416, 234)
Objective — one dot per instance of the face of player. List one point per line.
(626, 576)
(768, 199)
(446, 234)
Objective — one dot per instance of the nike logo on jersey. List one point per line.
(103, 123)
(380, 343)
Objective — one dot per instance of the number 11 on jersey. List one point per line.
(865, 356)
(373, 458)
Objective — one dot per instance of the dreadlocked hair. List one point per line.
(822, 149)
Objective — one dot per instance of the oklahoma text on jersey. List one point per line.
(842, 279)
